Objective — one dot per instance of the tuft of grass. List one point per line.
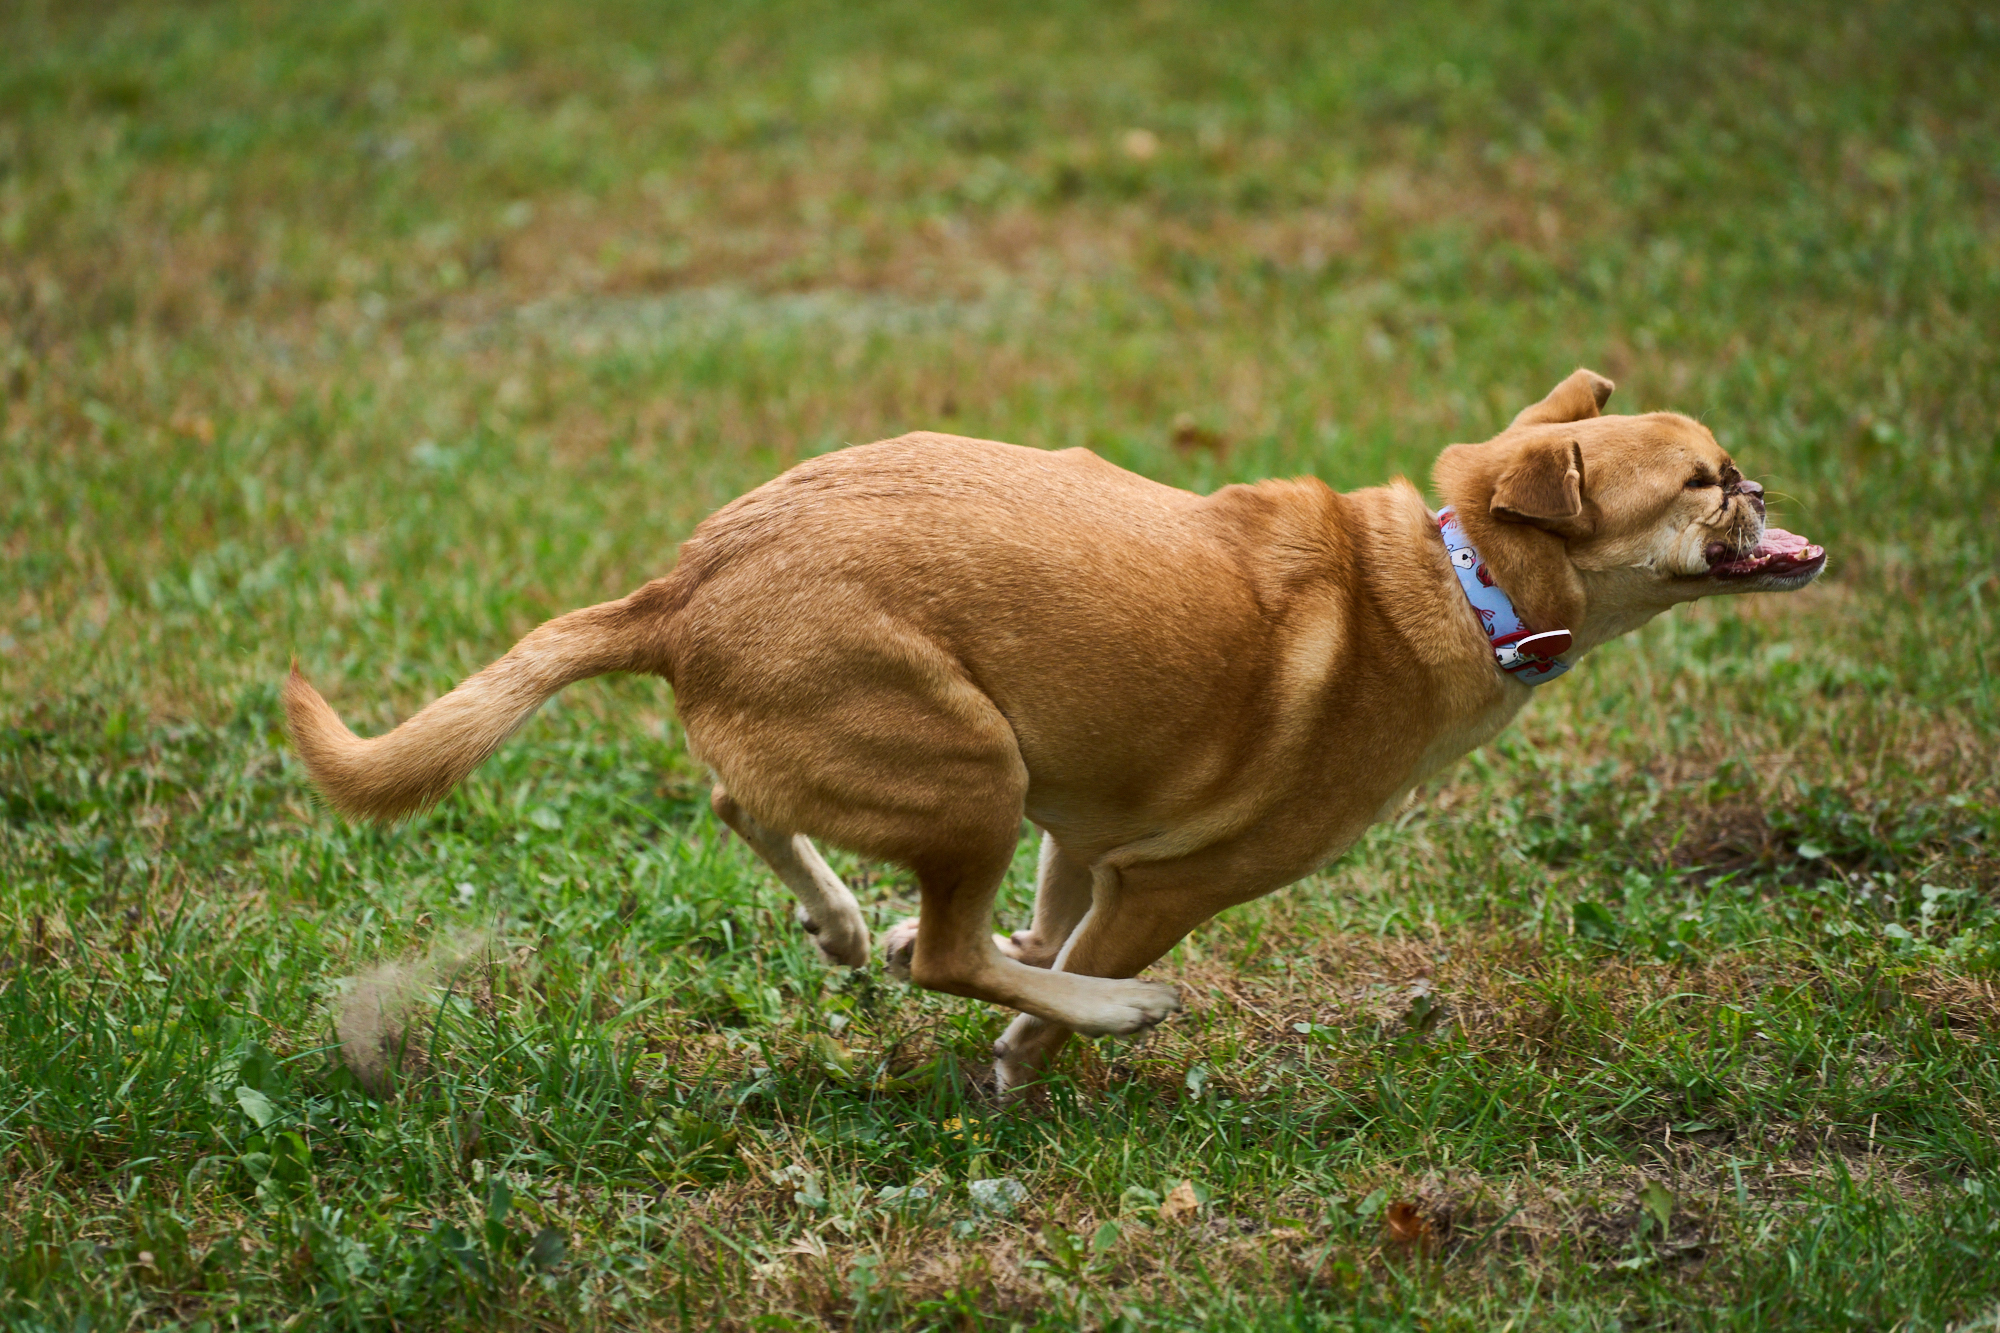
(374, 335)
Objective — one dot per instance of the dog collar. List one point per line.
(1532, 659)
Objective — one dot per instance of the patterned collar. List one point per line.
(1532, 659)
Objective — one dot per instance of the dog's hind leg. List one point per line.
(827, 908)
(907, 761)
(1062, 896)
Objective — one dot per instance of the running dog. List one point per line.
(905, 648)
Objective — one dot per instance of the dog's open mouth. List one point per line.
(1780, 557)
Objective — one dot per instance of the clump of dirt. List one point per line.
(381, 1035)
(1728, 838)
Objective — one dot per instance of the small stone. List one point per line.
(998, 1197)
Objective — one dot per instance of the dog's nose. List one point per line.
(1747, 487)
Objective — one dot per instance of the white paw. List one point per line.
(1119, 1008)
(1015, 1055)
(1023, 947)
(1009, 1077)
(841, 943)
(899, 945)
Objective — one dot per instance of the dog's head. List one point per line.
(1598, 523)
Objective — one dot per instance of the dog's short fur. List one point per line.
(903, 648)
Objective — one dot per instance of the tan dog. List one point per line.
(906, 647)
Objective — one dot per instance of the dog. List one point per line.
(905, 648)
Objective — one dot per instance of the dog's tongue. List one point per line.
(1778, 548)
(1779, 542)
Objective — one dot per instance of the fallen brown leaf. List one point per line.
(1407, 1226)
(1180, 1203)
(1190, 435)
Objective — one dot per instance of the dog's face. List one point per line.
(1667, 507)
(1644, 511)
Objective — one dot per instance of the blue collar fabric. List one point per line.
(1532, 659)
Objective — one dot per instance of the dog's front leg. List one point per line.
(949, 948)
(1062, 896)
(1137, 914)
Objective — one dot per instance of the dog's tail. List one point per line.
(412, 767)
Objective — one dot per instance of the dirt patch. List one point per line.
(1728, 839)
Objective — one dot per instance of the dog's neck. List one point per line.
(1533, 655)
(1531, 563)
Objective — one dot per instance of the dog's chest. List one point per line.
(1391, 785)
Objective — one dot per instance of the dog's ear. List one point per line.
(1521, 501)
(1542, 484)
(1577, 398)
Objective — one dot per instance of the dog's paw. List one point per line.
(841, 943)
(1120, 1008)
(1024, 947)
(1010, 1077)
(1021, 1052)
(899, 946)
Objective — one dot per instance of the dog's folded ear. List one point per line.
(1577, 398)
(1542, 484)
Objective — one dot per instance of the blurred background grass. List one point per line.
(302, 301)
(374, 334)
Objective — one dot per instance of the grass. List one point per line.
(375, 334)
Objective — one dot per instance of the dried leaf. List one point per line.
(1190, 435)
(1407, 1226)
(1181, 1203)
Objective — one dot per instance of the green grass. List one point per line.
(375, 334)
